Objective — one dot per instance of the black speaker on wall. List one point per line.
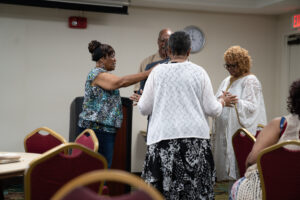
(122, 150)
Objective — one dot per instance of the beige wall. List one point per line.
(43, 63)
(284, 29)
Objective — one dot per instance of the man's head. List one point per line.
(163, 37)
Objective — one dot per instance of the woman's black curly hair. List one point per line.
(293, 102)
(99, 50)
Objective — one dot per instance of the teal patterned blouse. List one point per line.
(101, 109)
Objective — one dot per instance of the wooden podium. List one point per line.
(122, 151)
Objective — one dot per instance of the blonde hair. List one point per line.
(239, 55)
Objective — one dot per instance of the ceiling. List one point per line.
(268, 7)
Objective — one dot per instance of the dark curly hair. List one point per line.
(99, 50)
(293, 102)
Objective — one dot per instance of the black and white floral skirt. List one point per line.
(181, 168)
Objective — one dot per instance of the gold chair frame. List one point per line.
(53, 152)
(48, 130)
(266, 150)
(108, 175)
(93, 136)
(260, 126)
(246, 132)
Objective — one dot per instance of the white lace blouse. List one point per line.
(179, 97)
(251, 111)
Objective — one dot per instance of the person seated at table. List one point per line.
(278, 130)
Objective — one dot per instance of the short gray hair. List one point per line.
(179, 43)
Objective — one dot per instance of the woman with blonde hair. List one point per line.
(247, 112)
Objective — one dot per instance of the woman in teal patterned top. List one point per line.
(102, 108)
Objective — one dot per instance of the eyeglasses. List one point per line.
(230, 66)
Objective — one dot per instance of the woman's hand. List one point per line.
(135, 97)
(229, 99)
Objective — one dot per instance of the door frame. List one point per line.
(284, 71)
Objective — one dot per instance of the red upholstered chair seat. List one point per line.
(74, 189)
(88, 139)
(280, 172)
(39, 143)
(242, 142)
(46, 175)
(87, 194)
(35, 142)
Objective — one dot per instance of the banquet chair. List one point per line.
(242, 143)
(279, 170)
(75, 189)
(88, 139)
(258, 129)
(35, 142)
(54, 168)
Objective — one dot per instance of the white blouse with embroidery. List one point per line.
(179, 97)
(251, 111)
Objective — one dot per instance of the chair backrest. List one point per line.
(242, 143)
(258, 129)
(35, 142)
(88, 139)
(279, 170)
(144, 190)
(85, 193)
(54, 169)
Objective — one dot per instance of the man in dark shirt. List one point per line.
(149, 66)
(136, 96)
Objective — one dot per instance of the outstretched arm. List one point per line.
(109, 81)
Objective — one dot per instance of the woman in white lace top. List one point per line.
(248, 112)
(179, 97)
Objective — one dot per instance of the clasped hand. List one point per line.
(135, 97)
(229, 99)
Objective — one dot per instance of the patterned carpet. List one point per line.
(221, 190)
(16, 192)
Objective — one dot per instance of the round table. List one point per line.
(8, 170)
